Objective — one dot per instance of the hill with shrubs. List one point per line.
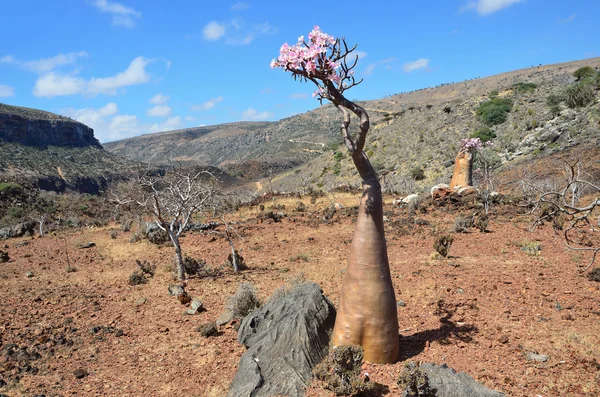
(524, 114)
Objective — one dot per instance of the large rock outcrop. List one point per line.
(285, 338)
(38, 128)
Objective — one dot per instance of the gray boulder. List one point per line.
(23, 229)
(443, 381)
(285, 338)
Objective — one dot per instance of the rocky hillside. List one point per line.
(414, 135)
(53, 152)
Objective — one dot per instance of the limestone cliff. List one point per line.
(38, 128)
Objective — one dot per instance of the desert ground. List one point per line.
(522, 322)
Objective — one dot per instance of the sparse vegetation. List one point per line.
(525, 87)
(442, 244)
(208, 329)
(341, 371)
(579, 94)
(414, 382)
(417, 173)
(462, 224)
(485, 134)
(244, 301)
(584, 73)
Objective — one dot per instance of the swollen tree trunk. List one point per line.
(463, 170)
(367, 315)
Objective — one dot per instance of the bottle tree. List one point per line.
(367, 314)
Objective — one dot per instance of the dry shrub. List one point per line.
(193, 267)
(243, 302)
(341, 371)
(414, 382)
(208, 329)
(146, 267)
(594, 275)
(481, 223)
(442, 244)
(137, 278)
(462, 224)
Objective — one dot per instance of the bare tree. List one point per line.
(561, 207)
(173, 197)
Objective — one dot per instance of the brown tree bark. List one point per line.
(463, 170)
(367, 313)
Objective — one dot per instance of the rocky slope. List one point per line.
(53, 152)
(410, 131)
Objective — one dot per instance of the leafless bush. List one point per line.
(462, 224)
(341, 371)
(244, 301)
(561, 206)
(442, 244)
(208, 329)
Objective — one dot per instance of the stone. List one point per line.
(29, 274)
(533, 356)
(285, 338)
(443, 381)
(86, 245)
(4, 257)
(80, 373)
(23, 229)
(196, 306)
(141, 301)
(224, 318)
(175, 290)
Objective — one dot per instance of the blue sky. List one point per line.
(131, 67)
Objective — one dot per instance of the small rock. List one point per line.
(224, 318)
(175, 290)
(80, 373)
(119, 333)
(4, 257)
(503, 339)
(532, 356)
(195, 307)
(401, 303)
(567, 317)
(558, 307)
(141, 301)
(87, 245)
(29, 274)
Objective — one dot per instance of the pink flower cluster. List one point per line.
(471, 145)
(310, 59)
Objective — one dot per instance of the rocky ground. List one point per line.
(522, 322)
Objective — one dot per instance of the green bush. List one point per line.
(579, 94)
(484, 134)
(495, 111)
(553, 101)
(10, 188)
(584, 73)
(525, 87)
(417, 173)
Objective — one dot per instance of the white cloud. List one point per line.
(189, 118)
(134, 74)
(109, 125)
(53, 84)
(415, 65)
(252, 114)
(239, 6)
(6, 91)
(571, 18)
(159, 111)
(236, 31)
(121, 15)
(208, 104)
(298, 96)
(213, 31)
(369, 69)
(45, 65)
(159, 99)
(487, 7)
